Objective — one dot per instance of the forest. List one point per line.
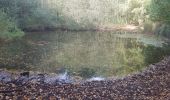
(18, 16)
(65, 42)
(20, 21)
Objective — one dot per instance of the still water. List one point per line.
(84, 54)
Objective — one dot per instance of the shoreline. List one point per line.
(152, 83)
(109, 28)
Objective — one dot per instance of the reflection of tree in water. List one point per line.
(99, 53)
(155, 54)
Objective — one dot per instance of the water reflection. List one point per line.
(82, 53)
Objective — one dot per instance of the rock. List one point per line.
(25, 74)
(5, 77)
(96, 79)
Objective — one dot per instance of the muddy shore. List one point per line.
(151, 84)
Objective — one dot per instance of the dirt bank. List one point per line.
(108, 28)
(151, 84)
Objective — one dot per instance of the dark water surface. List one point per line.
(84, 53)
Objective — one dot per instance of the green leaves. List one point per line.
(8, 29)
(160, 10)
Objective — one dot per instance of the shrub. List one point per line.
(164, 30)
(159, 10)
(137, 12)
(8, 28)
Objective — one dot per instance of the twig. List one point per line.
(8, 91)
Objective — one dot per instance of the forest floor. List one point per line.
(151, 84)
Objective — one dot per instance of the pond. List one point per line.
(84, 54)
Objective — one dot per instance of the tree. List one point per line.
(8, 28)
(160, 10)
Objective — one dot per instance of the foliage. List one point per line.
(73, 14)
(163, 30)
(27, 14)
(137, 11)
(8, 28)
(147, 12)
(159, 10)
